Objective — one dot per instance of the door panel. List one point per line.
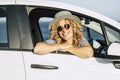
(11, 65)
(70, 67)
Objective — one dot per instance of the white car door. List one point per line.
(68, 67)
(63, 66)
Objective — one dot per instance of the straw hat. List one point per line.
(63, 15)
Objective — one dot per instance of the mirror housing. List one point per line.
(113, 54)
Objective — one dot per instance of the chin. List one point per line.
(66, 39)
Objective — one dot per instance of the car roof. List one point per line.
(48, 3)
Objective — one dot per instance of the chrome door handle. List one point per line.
(38, 66)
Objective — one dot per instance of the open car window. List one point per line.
(91, 27)
(92, 32)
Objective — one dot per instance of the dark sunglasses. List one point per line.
(60, 28)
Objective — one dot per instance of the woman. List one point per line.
(65, 35)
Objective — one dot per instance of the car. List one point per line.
(23, 23)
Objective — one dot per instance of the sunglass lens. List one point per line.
(66, 26)
(59, 28)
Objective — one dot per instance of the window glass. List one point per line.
(112, 34)
(93, 34)
(92, 30)
(3, 29)
(44, 23)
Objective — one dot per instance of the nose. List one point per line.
(64, 30)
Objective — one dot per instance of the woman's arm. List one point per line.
(85, 51)
(44, 47)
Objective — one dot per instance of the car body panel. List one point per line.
(7, 2)
(11, 65)
(69, 67)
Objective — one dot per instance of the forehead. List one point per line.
(62, 21)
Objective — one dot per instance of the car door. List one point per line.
(65, 66)
(11, 60)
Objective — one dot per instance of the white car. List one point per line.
(23, 23)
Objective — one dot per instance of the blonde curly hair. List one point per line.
(77, 33)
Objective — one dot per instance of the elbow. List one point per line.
(88, 56)
(38, 49)
(90, 53)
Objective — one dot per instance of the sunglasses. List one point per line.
(60, 28)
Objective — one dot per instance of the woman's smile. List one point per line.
(66, 34)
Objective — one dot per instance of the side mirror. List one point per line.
(113, 54)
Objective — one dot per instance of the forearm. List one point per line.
(44, 48)
(83, 52)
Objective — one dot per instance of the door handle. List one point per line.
(38, 66)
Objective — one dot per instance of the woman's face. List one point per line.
(65, 30)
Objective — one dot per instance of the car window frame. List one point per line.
(39, 37)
